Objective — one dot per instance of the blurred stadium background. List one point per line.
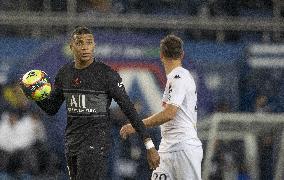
(235, 49)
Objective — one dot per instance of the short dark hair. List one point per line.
(172, 47)
(79, 30)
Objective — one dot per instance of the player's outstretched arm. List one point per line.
(162, 117)
(118, 93)
(52, 104)
(155, 120)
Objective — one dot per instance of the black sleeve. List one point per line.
(117, 91)
(52, 104)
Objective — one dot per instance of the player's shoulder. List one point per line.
(179, 73)
(103, 67)
(181, 76)
(65, 69)
(106, 70)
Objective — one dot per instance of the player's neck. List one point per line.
(170, 65)
(84, 64)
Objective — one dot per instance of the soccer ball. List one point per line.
(36, 85)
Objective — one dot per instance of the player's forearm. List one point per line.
(52, 104)
(128, 109)
(162, 117)
(138, 125)
(117, 91)
(156, 120)
(47, 107)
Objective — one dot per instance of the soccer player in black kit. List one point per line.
(88, 87)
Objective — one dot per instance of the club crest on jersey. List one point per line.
(76, 81)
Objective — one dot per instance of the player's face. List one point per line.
(162, 58)
(83, 47)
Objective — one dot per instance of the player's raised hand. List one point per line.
(153, 158)
(126, 130)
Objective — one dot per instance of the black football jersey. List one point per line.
(88, 94)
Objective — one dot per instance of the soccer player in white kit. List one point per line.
(180, 149)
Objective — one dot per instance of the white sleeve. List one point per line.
(176, 92)
(165, 94)
(165, 97)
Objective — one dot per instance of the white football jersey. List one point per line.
(180, 91)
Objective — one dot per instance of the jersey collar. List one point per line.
(174, 71)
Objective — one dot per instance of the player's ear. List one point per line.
(182, 55)
(71, 46)
(161, 55)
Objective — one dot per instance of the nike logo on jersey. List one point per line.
(120, 84)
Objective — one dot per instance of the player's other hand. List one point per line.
(153, 158)
(126, 130)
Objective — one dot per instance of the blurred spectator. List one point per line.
(95, 6)
(58, 5)
(32, 5)
(9, 5)
(102, 6)
(223, 106)
(19, 133)
(194, 6)
(15, 98)
(83, 6)
(120, 6)
(159, 7)
(228, 161)
(224, 8)
(2, 101)
(35, 5)
(243, 174)
(17, 137)
(266, 141)
(23, 148)
(230, 165)
(261, 90)
(261, 104)
(266, 155)
(142, 7)
(217, 163)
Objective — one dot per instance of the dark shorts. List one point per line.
(88, 164)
